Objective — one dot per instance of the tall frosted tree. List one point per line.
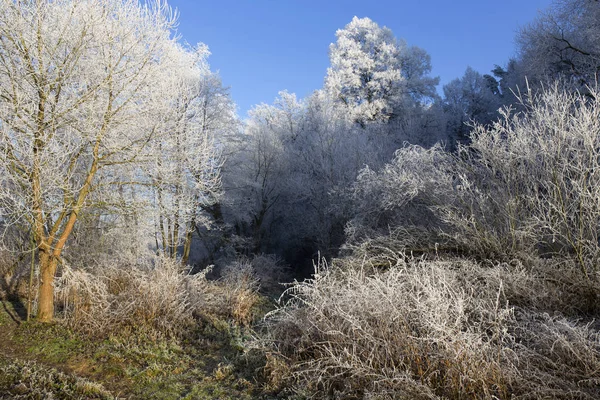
(365, 71)
(185, 171)
(257, 172)
(372, 73)
(78, 81)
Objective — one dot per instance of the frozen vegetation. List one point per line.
(434, 247)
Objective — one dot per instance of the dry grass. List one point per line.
(232, 297)
(120, 299)
(161, 300)
(430, 329)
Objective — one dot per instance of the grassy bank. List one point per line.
(40, 361)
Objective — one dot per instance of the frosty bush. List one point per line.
(159, 299)
(527, 185)
(428, 329)
(121, 298)
(536, 177)
(402, 194)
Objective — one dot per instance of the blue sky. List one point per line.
(263, 46)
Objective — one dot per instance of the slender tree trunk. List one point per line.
(31, 273)
(51, 247)
(48, 264)
(161, 224)
(169, 249)
(175, 234)
(187, 246)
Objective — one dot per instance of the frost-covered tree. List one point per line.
(365, 71)
(563, 42)
(185, 174)
(372, 73)
(78, 83)
(326, 156)
(467, 100)
(288, 182)
(256, 174)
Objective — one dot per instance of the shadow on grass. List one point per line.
(18, 311)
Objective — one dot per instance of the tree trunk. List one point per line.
(187, 246)
(48, 264)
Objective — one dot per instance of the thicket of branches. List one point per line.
(526, 185)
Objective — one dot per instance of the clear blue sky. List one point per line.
(263, 46)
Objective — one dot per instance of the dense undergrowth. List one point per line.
(443, 328)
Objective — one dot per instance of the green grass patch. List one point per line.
(208, 363)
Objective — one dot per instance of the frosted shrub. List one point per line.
(558, 357)
(114, 299)
(240, 286)
(428, 199)
(527, 185)
(232, 297)
(532, 181)
(428, 329)
(412, 329)
(401, 195)
(159, 299)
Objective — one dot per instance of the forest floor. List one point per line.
(43, 361)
